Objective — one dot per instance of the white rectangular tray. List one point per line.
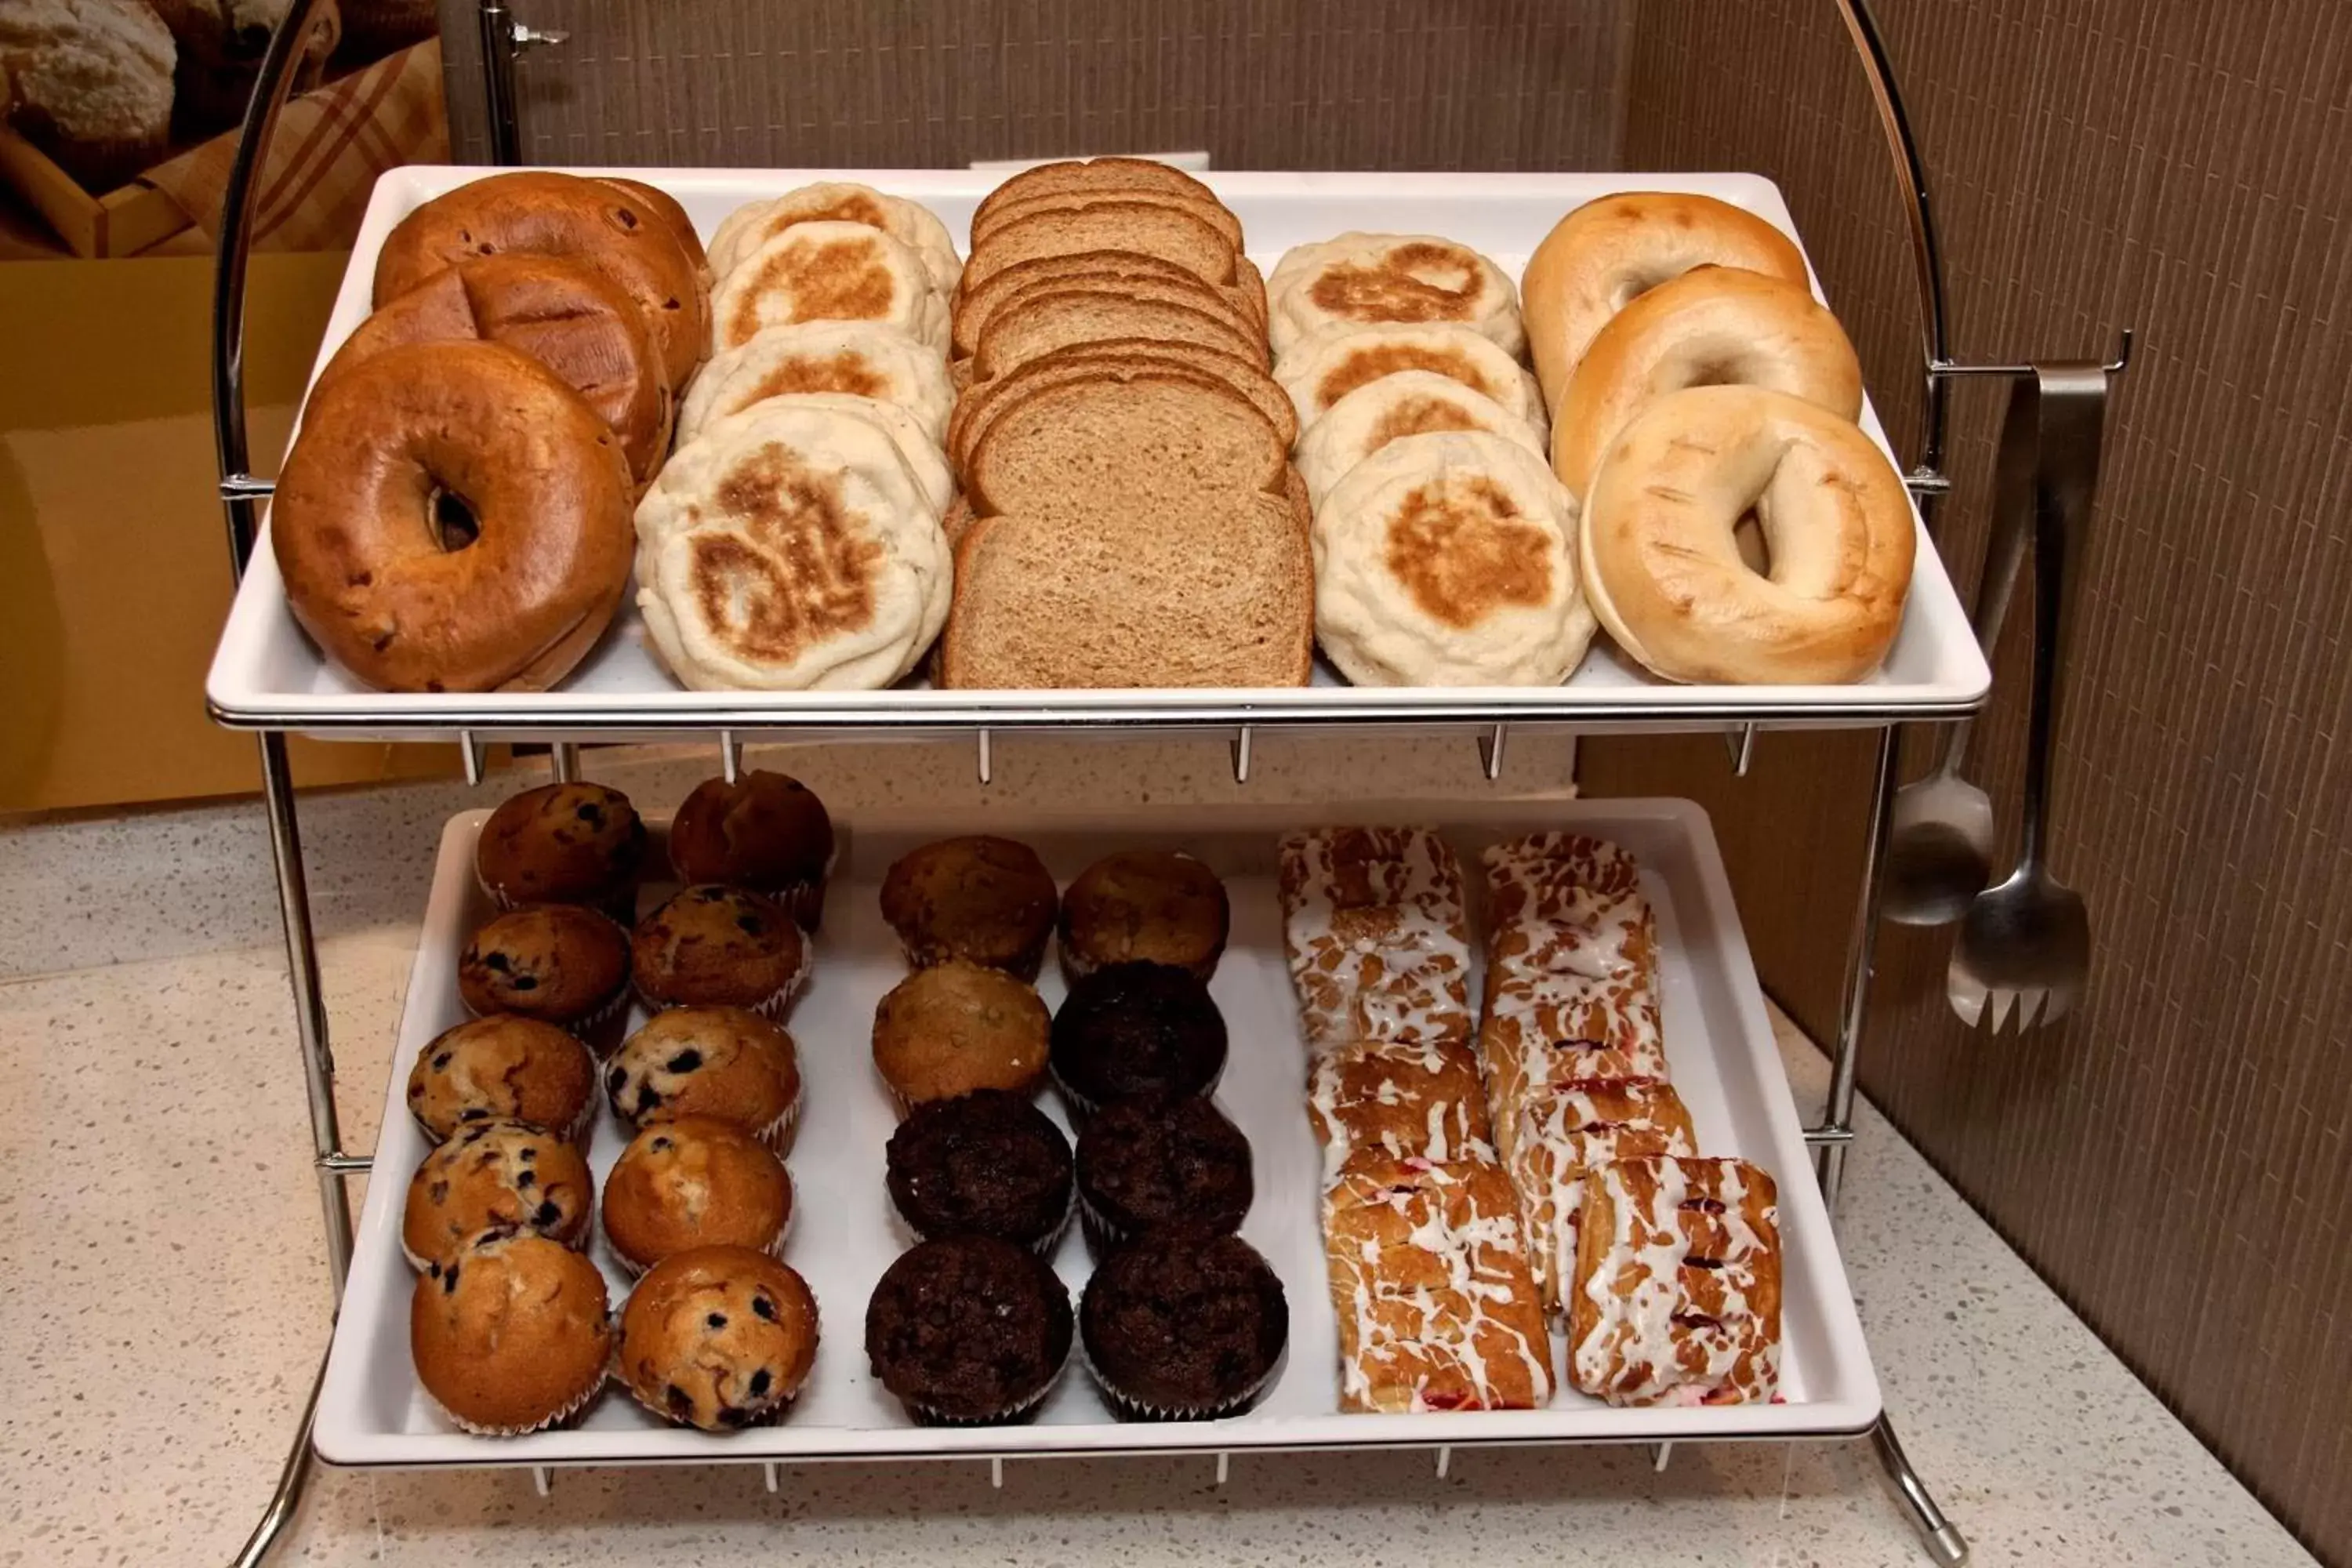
(845, 1234)
(268, 675)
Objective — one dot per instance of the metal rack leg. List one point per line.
(1837, 1117)
(1944, 1545)
(291, 1482)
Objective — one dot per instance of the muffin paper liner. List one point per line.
(560, 1418)
(930, 1416)
(1132, 1409)
(778, 1134)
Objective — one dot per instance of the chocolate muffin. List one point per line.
(986, 1164)
(560, 964)
(987, 899)
(1158, 1159)
(714, 946)
(956, 1027)
(728, 1063)
(563, 844)
(504, 1068)
(968, 1329)
(695, 1183)
(719, 1338)
(1183, 1324)
(767, 832)
(1132, 1028)
(510, 1334)
(502, 1177)
(1152, 905)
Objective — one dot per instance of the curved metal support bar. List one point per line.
(1927, 250)
(238, 211)
(291, 1480)
(1944, 1545)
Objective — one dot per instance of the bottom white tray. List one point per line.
(1718, 1040)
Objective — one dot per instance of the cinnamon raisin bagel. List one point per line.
(1713, 325)
(605, 228)
(453, 518)
(667, 209)
(1598, 258)
(578, 324)
(1661, 558)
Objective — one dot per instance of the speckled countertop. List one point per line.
(163, 1299)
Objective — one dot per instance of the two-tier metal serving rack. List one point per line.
(1917, 688)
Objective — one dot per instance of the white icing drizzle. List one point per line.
(1681, 1304)
(1429, 1277)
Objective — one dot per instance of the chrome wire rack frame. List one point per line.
(503, 41)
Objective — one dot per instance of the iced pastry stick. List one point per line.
(1539, 1035)
(1377, 934)
(1565, 1130)
(1563, 904)
(1677, 1284)
(1389, 1100)
(1429, 1283)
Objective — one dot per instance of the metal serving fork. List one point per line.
(2024, 947)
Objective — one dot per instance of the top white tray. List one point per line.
(267, 675)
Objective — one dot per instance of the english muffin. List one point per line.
(827, 272)
(790, 548)
(1447, 560)
(747, 227)
(1324, 366)
(1410, 403)
(864, 359)
(1371, 279)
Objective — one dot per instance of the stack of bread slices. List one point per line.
(1444, 546)
(1129, 515)
(793, 541)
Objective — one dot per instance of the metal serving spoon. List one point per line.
(2024, 947)
(1940, 832)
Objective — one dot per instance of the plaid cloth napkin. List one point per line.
(330, 147)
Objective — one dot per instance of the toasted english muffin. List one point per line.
(1410, 403)
(864, 359)
(1446, 559)
(1371, 279)
(790, 548)
(827, 271)
(911, 224)
(1324, 366)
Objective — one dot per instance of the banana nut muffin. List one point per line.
(990, 900)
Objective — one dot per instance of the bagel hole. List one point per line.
(1748, 533)
(452, 521)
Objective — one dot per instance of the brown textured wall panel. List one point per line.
(2175, 1156)
(1279, 84)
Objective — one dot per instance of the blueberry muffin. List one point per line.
(510, 1334)
(1132, 1028)
(958, 1026)
(694, 1183)
(968, 1329)
(728, 1063)
(718, 947)
(767, 832)
(502, 1177)
(1158, 1159)
(986, 1164)
(1183, 1324)
(1152, 905)
(719, 1338)
(559, 963)
(504, 1068)
(563, 844)
(988, 901)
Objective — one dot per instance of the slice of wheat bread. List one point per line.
(1060, 316)
(1169, 233)
(1094, 174)
(976, 409)
(973, 308)
(1131, 530)
(1215, 214)
(1190, 292)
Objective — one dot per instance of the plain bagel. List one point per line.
(1663, 569)
(1713, 325)
(1598, 258)
(453, 518)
